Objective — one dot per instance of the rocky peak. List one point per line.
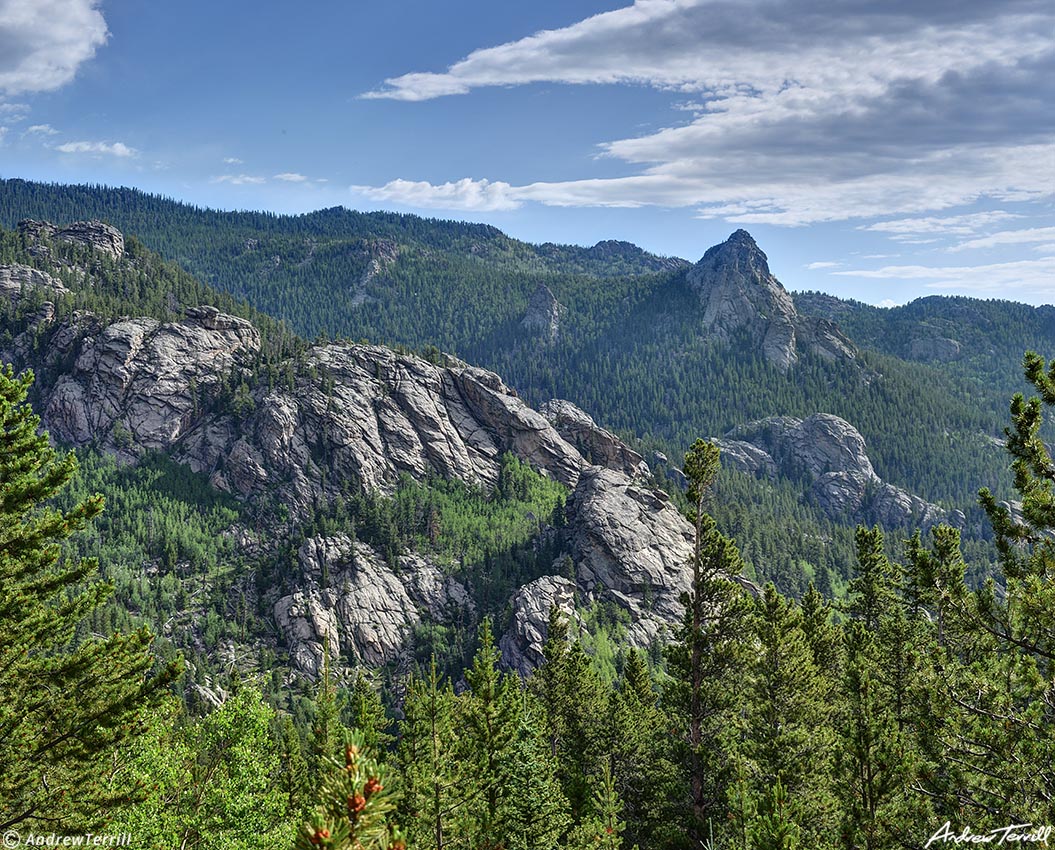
(543, 314)
(738, 291)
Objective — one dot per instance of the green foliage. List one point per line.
(211, 783)
(356, 801)
(66, 706)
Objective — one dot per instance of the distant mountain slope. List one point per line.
(653, 348)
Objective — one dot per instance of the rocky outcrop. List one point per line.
(356, 604)
(521, 644)
(934, 348)
(594, 443)
(95, 234)
(365, 414)
(17, 279)
(138, 384)
(616, 249)
(830, 454)
(543, 314)
(379, 255)
(738, 293)
(631, 545)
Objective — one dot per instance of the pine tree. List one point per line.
(367, 714)
(435, 786)
(788, 738)
(357, 799)
(646, 776)
(875, 763)
(491, 717)
(294, 777)
(707, 651)
(65, 709)
(328, 730)
(536, 812)
(603, 828)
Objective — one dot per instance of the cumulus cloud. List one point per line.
(466, 194)
(799, 111)
(291, 177)
(232, 160)
(40, 130)
(118, 149)
(239, 179)
(44, 42)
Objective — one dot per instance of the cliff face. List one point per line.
(738, 293)
(351, 416)
(831, 453)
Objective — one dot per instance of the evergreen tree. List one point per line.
(65, 708)
(294, 774)
(603, 828)
(328, 730)
(706, 653)
(536, 813)
(435, 785)
(491, 717)
(357, 799)
(367, 714)
(646, 776)
(875, 766)
(788, 738)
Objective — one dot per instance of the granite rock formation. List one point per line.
(739, 294)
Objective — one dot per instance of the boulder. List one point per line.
(521, 644)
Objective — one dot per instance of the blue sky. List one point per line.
(879, 151)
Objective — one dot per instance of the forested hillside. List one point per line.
(538, 645)
(628, 347)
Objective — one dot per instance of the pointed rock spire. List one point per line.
(737, 290)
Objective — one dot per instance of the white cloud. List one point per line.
(14, 111)
(232, 160)
(1008, 237)
(905, 229)
(887, 303)
(118, 149)
(291, 177)
(239, 179)
(44, 42)
(801, 111)
(466, 194)
(1033, 277)
(40, 130)
(823, 264)
(3, 132)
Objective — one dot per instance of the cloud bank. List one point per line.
(790, 112)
